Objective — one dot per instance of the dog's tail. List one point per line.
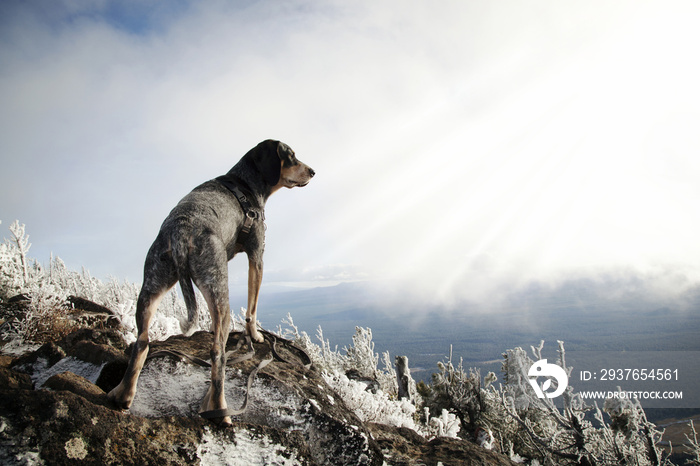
(188, 327)
(183, 268)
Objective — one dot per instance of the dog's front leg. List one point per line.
(255, 271)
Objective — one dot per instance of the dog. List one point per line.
(209, 226)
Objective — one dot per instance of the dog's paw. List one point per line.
(207, 405)
(253, 333)
(224, 422)
(256, 336)
(118, 399)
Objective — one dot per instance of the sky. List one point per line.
(460, 146)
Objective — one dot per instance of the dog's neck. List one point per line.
(251, 182)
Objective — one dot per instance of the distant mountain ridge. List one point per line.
(612, 314)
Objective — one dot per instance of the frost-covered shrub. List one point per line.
(41, 313)
(550, 436)
(565, 436)
(625, 414)
(509, 419)
(444, 425)
(379, 407)
(456, 390)
(362, 358)
(322, 356)
(693, 445)
(359, 358)
(46, 317)
(48, 290)
(371, 407)
(328, 358)
(14, 263)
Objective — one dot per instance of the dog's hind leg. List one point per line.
(209, 266)
(159, 276)
(123, 394)
(217, 301)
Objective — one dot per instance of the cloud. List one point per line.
(457, 145)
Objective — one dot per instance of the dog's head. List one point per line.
(279, 165)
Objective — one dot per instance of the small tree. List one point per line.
(693, 445)
(21, 241)
(361, 355)
(457, 390)
(14, 266)
(563, 436)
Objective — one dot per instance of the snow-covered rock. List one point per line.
(49, 414)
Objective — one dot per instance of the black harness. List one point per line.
(251, 213)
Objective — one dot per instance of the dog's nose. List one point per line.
(311, 172)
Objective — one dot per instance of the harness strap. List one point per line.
(181, 356)
(289, 345)
(218, 413)
(251, 213)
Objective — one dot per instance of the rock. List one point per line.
(74, 313)
(88, 306)
(51, 353)
(61, 428)
(284, 396)
(12, 312)
(108, 337)
(293, 415)
(372, 384)
(6, 361)
(89, 314)
(402, 446)
(281, 424)
(20, 298)
(68, 381)
(14, 380)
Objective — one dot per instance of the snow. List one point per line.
(485, 439)
(16, 347)
(28, 458)
(168, 387)
(247, 449)
(40, 371)
(445, 425)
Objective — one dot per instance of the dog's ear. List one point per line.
(268, 161)
(285, 153)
